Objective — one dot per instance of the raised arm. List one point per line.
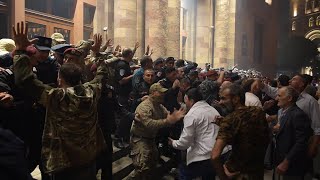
(24, 77)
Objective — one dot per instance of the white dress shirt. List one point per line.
(252, 100)
(199, 132)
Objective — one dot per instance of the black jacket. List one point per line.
(170, 99)
(292, 141)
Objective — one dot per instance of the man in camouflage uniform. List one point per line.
(71, 138)
(246, 129)
(151, 116)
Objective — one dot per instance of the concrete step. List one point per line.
(161, 170)
(122, 168)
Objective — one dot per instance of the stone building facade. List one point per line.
(73, 18)
(305, 19)
(220, 32)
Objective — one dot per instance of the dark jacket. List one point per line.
(142, 89)
(170, 99)
(292, 141)
(12, 157)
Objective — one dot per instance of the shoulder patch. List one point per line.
(121, 72)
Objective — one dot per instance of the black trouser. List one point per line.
(106, 121)
(203, 169)
(125, 122)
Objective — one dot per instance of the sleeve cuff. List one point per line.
(174, 144)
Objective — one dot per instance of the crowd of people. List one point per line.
(64, 106)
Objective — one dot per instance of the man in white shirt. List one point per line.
(198, 136)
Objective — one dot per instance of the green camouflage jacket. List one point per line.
(153, 117)
(71, 134)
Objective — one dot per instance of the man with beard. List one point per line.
(151, 116)
(246, 129)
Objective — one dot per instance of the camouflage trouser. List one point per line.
(144, 155)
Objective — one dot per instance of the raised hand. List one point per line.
(109, 43)
(137, 45)
(20, 36)
(148, 49)
(97, 43)
(151, 52)
(176, 116)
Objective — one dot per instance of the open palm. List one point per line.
(20, 36)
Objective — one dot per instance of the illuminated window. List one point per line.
(268, 2)
(318, 21)
(293, 26)
(295, 11)
(311, 22)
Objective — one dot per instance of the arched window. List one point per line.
(293, 26)
(311, 22)
(318, 21)
(308, 6)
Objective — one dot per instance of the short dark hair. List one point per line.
(237, 91)
(273, 83)
(194, 94)
(71, 73)
(304, 79)
(180, 63)
(127, 52)
(169, 59)
(246, 84)
(144, 61)
(284, 80)
(308, 78)
(158, 61)
(169, 70)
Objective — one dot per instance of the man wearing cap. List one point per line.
(71, 115)
(47, 69)
(151, 116)
(57, 38)
(58, 51)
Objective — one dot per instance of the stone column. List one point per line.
(99, 18)
(109, 9)
(141, 8)
(203, 32)
(224, 33)
(17, 11)
(78, 22)
(173, 41)
(125, 22)
(156, 26)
